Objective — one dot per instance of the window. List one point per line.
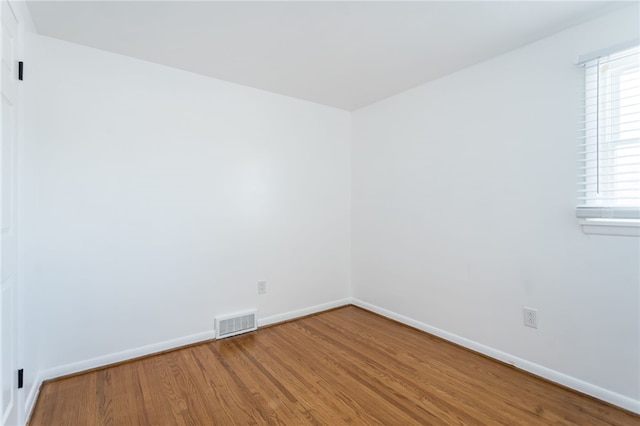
(609, 149)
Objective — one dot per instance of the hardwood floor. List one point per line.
(338, 367)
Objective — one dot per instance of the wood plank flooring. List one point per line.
(338, 367)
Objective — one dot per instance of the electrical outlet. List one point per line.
(530, 317)
(262, 287)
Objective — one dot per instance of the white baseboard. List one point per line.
(125, 355)
(104, 360)
(539, 370)
(32, 397)
(273, 319)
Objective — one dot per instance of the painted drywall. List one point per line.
(155, 199)
(463, 213)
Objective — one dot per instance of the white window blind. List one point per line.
(609, 149)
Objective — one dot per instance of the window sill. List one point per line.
(620, 227)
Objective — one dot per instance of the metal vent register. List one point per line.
(231, 325)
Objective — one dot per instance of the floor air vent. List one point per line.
(230, 325)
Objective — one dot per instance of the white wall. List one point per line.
(463, 197)
(155, 199)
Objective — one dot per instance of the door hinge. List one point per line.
(20, 70)
(20, 378)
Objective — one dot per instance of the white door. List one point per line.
(8, 210)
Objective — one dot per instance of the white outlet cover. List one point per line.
(530, 317)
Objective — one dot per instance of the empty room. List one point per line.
(300, 212)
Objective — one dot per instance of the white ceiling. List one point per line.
(342, 54)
